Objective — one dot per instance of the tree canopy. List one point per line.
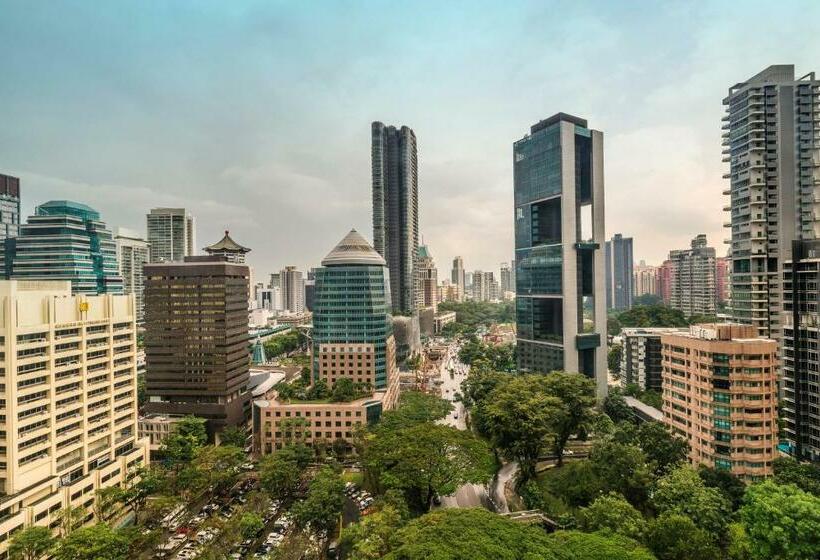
(96, 542)
(323, 504)
(30, 543)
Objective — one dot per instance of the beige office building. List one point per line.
(69, 396)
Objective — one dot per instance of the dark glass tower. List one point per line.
(619, 272)
(559, 261)
(395, 211)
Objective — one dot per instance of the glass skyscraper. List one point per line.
(559, 261)
(352, 304)
(395, 211)
(66, 240)
(619, 263)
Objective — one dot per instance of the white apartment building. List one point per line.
(171, 234)
(132, 254)
(69, 400)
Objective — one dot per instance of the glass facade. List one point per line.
(537, 166)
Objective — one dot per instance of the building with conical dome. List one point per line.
(353, 354)
(228, 249)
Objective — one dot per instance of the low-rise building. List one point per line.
(443, 318)
(720, 393)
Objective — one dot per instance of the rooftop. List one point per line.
(226, 244)
(353, 249)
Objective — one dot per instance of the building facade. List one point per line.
(132, 255)
(458, 277)
(800, 405)
(395, 210)
(770, 142)
(70, 400)
(559, 233)
(720, 393)
(693, 289)
(506, 278)
(645, 280)
(352, 340)
(66, 240)
(722, 280)
(619, 263)
(428, 277)
(228, 250)
(9, 207)
(196, 340)
(293, 290)
(641, 362)
(171, 234)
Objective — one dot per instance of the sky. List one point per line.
(256, 115)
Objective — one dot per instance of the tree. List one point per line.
(805, 476)
(616, 408)
(98, 542)
(69, 519)
(577, 396)
(415, 408)
(30, 543)
(622, 468)
(664, 449)
(612, 512)
(321, 508)
(373, 536)
(106, 500)
(218, 466)
(781, 521)
(683, 492)
(577, 483)
(573, 545)
(647, 299)
(652, 316)
(180, 446)
(278, 475)
(673, 536)
(614, 359)
(250, 525)
(739, 545)
(233, 436)
(732, 488)
(344, 390)
(426, 460)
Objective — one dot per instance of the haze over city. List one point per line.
(256, 117)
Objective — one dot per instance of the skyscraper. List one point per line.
(506, 278)
(559, 232)
(9, 206)
(132, 254)
(722, 278)
(171, 234)
(770, 142)
(645, 280)
(619, 272)
(693, 279)
(428, 277)
(66, 240)
(458, 277)
(395, 210)
(196, 339)
(293, 290)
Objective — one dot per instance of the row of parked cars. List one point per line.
(361, 498)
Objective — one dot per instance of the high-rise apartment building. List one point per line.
(480, 288)
(770, 142)
(693, 289)
(641, 362)
(228, 249)
(722, 279)
(132, 255)
(645, 280)
(458, 277)
(506, 279)
(428, 277)
(352, 341)
(395, 210)
(293, 290)
(720, 393)
(559, 233)
(69, 400)
(619, 272)
(666, 278)
(66, 240)
(800, 384)
(196, 339)
(9, 207)
(171, 234)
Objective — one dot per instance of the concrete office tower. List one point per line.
(559, 233)
(171, 234)
(458, 277)
(720, 393)
(619, 272)
(693, 284)
(801, 318)
(352, 340)
(66, 240)
(428, 277)
(197, 363)
(770, 142)
(641, 357)
(293, 290)
(506, 279)
(132, 255)
(722, 279)
(69, 400)
(645, 280)
(9, 206)
(228, 249)
(395, 210)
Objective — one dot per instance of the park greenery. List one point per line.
(477, 354)
(654, 315)
(344, 390)
(470, 315)
(285, 343)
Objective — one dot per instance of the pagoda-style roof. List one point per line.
(226, 245)
(353, 249)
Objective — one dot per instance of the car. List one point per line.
(246, 466)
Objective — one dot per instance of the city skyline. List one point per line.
(161, 95)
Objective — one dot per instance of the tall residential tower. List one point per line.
(395, 210)
(619, 289)
(559, 233)
(171, 233)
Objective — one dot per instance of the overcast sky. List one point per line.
(256, 115)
